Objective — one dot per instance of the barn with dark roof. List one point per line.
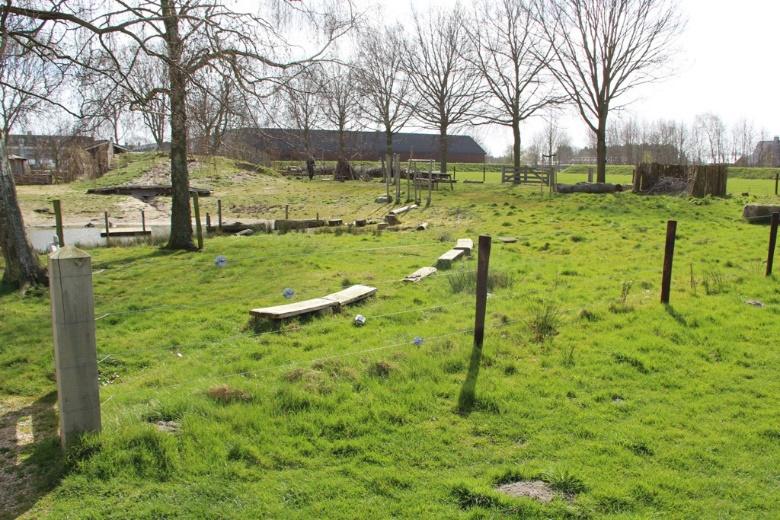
(276, 144)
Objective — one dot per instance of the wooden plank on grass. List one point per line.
(466, 244)
(403, 209)
(351, 294)
(445, 260)
(419, 274)
(290, 310)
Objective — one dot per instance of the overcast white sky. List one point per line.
(727, 64)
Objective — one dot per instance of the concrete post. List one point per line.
(75, 350)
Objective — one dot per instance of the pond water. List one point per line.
(85, 236)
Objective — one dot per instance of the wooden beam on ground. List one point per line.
(352, 294)
(403, 209)
(466, 244)
(290, 310)
(445, 260)
(423, 272)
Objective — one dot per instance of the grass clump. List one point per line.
(544, 322)
(225, 394)
(563, 481)
(466, 281)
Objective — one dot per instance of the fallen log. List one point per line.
(588, 187)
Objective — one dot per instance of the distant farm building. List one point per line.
(43, 152)
(767, 153)
(275, 144)
(64, 157)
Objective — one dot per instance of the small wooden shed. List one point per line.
(19, 166)
(102, 154)
(20, 169)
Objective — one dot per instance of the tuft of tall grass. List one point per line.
(544, 322)
(466, 281)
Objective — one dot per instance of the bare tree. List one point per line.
(186, 37)
(511, 55)
(24, 81)
(150, 78)
(341, 106)
(303, 109)
(602, 49)
(744, 139)
(439, 63)
(386, 93)
(215, 105)
(713, 136)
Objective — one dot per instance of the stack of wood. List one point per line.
(699, 180)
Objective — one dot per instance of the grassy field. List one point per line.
(626, 408)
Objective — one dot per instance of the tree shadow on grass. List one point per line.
(31, 460)
(467, 398)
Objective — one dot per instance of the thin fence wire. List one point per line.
(102, 314)
(252, 335)
(297, 364)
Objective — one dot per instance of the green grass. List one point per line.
(636, 409)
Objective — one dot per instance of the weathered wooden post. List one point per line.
(58, 222)
(286, 212)
(219, 215)
(198, 226)
(143, 221)
(208, 222)
(483, 263)
(666, 280)
(770, 259)
(108, 232)
(777, 180)
(75, 349)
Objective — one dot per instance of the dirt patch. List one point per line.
(159, 174)
(535, 489)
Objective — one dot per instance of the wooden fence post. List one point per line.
(286, 212)
(58, 222)
(396, 169)
(108, 232)
(208, 222)
(770, 259)
(219, 215)
(483, 263)
(143, 221)
(777, 180)
(666, 281)
(75, 347)
(198, 226)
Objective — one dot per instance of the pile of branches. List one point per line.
(669, 186)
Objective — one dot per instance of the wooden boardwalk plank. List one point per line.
(423, 272)
(351, 294)
(293, 309)
(445, 260)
